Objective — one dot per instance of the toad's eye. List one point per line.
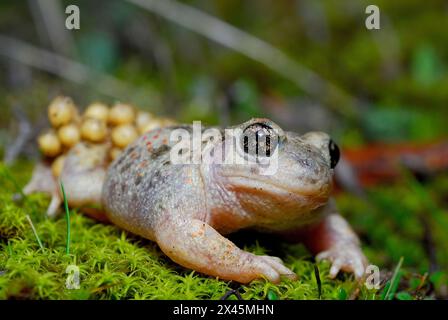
(259, 139)
(334, 154)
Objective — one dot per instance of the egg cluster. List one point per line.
(115, 126)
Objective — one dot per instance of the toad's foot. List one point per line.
(196, 245)
(272, 268)
(334, 240)
(345, 257)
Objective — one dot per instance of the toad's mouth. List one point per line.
(240, 182)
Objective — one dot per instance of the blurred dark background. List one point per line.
(317, 68)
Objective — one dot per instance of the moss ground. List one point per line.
(398, 221)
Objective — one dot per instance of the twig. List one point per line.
(429, 244)
(23, 136)
(388, 43)
(315, 21)
(19, 75)
(63, 67)
(355, 293)
(229, 293)
(50, 23)
(422, 281)
(34, 231)
(254, 48)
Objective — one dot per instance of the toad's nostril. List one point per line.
(305, 162)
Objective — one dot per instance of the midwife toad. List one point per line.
(189, 208)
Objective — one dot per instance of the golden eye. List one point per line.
(259, 139)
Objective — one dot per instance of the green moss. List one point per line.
(114, 264)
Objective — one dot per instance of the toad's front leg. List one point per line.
(195, 244)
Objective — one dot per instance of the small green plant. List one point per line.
(67, 217)
(392, 285)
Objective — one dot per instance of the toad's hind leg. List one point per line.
(43, 181)
(83, 177)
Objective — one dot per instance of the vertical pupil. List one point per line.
(262, 143)
(268, 146)
(256, 143)
(246, 144)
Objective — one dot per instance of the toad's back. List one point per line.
(140, 180)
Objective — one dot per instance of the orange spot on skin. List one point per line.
(200, 232)
(142, 164)
(149, 146)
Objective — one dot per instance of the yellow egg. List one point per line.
(94, 130)
(166, 122)
(49, 144)
(114, 153)
(98, 111)
(69, 135)
(57, 166)
(121, 114)
(153, 124)
(61, 111)
(143, 118)
(124, 135)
